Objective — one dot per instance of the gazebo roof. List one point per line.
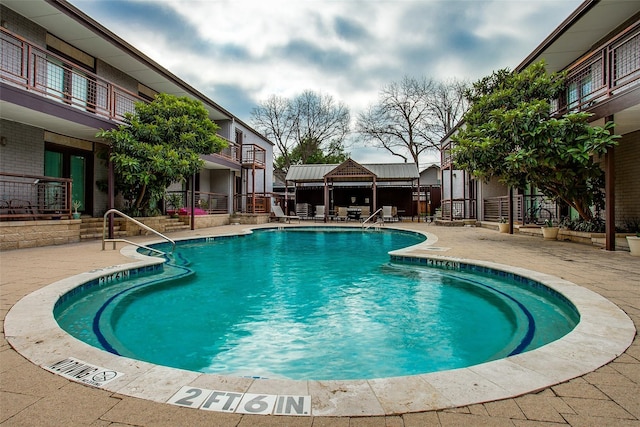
(382, 171)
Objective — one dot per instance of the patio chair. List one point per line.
(387, 214)
(342, 213)
(279, 215)
(319, 213)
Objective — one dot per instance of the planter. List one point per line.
(550, 233)
(76, 215)
(503, 227)
(634, 245)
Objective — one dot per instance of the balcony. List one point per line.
(607, 72)
(254, 156)
(28, 66)
(34, 197)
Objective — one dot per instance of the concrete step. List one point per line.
(97, 234)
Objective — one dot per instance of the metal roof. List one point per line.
(383, 171)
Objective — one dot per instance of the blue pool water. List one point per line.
(312, 304)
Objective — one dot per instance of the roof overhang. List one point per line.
(68, 23)
(580, 33)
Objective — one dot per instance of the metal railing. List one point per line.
(231, 152)
(528, 209)
(34, 197)
(210, 203)
(253, 203)
(366, 225)
(253, 155)
(611, 70)
(26, 65)
(458, 209)
(139, 224)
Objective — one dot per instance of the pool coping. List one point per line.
(603, 333)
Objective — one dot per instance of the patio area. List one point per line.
(30, 395)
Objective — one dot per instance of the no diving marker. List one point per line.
(242, 403)
(83, 372)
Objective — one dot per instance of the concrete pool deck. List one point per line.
(608, 396)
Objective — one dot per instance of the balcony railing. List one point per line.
(527, 209)
(609, 71)
(35, 69)
(34, 197)
(205, 202)
(458, 209)
(253, 203)
(253, 156)
(232, 152)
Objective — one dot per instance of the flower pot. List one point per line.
(503, 227)
(634, 245)
(76, 215)
(550, 233)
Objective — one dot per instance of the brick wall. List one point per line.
(627, 164)
(116, 76)
(30, 234)
(24, 151)
(20, 25)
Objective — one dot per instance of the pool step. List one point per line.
(91, 228)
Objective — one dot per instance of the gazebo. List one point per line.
(356, 186)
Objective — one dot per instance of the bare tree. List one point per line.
(412, 116)
(273, 117)
(303, 128)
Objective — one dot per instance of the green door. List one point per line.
(67, 165)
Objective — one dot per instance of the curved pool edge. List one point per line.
(603, 333)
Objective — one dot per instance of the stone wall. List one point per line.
(29, 234)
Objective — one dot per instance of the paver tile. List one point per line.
(598, 408)
(539, 408)
(579, 388)
(505, 409)
(331, 422)
(627, 397)
(138, 412)
(450, 419)
(13, 403)
(421, 419)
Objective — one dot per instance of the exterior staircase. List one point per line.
(91, 228)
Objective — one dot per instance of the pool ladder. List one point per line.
(139, 224)
(377, 224)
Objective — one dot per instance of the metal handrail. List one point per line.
(367, 220)
(146, 227)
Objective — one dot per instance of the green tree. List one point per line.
(309, 151)
(511, 134)
(157, 145)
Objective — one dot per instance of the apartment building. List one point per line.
(63, 77)
(598, 46)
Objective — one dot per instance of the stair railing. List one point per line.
(364, 223)
(138, 223)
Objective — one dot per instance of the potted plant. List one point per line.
(503, 225)
(634, 244)
(549, 231)
(175, 201)
(76, 204)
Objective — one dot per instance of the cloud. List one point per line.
(239, 52)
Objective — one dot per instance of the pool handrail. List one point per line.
(138, 223)
(367, 220)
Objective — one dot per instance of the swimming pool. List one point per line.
(603, 333)
(309, 303)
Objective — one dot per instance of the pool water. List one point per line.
(317, 304)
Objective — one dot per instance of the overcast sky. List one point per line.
(240, 52)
